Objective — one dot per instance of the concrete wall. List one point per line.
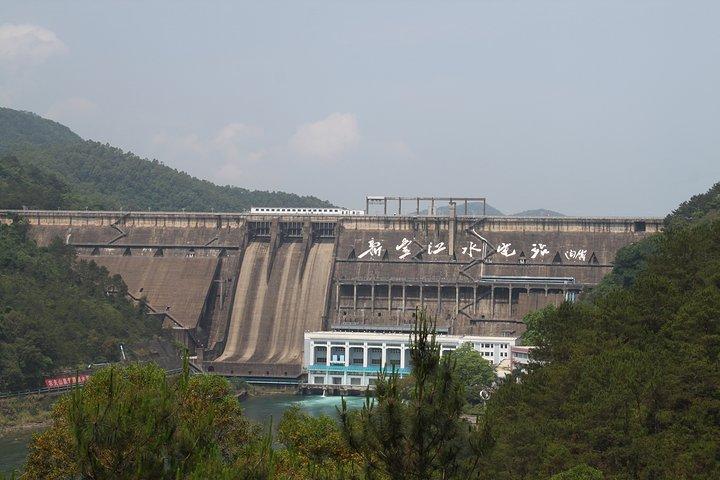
(275, 304)
(434, 262)
(246, 287)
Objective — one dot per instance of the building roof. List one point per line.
(400, 337)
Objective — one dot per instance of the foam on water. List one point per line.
(262, 409)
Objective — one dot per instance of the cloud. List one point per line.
(398, 149)
(179, 144)
(237, 131)
(223, 156)
(257, 155)
(327, 138)
(229, 174)
(25, 44)
(232, 139)
(71, 110)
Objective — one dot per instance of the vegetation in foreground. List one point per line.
(629, 381)
(135, 422)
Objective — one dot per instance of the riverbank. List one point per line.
(266, 409)
(20, 419)
(32, 412)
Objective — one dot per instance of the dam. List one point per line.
(242, 289)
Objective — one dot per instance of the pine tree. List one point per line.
(425, 436)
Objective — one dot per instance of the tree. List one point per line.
(423, 437)
(473, 372)
(314, 447)
(627, 382)
(533, 323)
(55, 313)
(135, 422)
(579, 472)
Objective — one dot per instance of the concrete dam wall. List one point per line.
(274, 308)
(240, 290)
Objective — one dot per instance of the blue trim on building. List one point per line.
(319, 368)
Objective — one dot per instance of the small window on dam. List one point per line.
(324, 229)
(640, 226)
(291, 229)
(259, 229)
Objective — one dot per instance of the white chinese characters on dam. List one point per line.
(470, 249)
(374, 249)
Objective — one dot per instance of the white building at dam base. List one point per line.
(354, 359)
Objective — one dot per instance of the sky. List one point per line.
(584, 107)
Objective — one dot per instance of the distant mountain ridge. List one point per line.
(88, 174)
(538, 212)
(476, 208)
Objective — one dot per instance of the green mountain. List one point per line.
(98, 176)
(24, 184)
(25, 129)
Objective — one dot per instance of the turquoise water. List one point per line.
(263, 409)
(13, 447)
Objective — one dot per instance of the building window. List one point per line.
(392, 357)
(320, 355)
(355, 381)
(337, 380)
(319, 380)
(337, 355)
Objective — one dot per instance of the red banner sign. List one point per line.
(59, 382)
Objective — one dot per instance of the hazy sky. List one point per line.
(594, 108)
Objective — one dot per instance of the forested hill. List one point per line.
(627, 381)
(56, 313)
(98, 176)
(25, 129)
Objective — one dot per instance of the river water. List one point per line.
(13, 446)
